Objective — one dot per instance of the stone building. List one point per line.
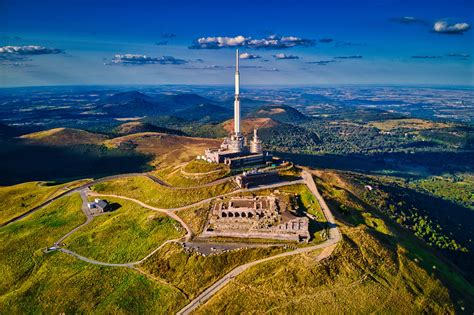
(97, 206)
(255, 178)
(256, 217)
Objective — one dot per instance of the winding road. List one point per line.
(334, 235)
(328, 247)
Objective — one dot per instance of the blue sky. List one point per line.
(292, 42)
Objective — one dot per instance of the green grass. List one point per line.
(21, 242)
(195, 217)
(62, 284)
(18, 199)
(362, 276)
(145, 190)
(459, 189)
(124, 235)
(359, 214)
(199, 166)
(34, 282)
(174, 176)
(192, 272)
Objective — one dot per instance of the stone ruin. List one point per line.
(256, 217)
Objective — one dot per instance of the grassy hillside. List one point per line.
(281, 113)
(62, 284)
(64, 136)
(192, 273)
(166, 149)
(247, 125)
(24, 161)
(123, 235)
(18, 199)
(146, 190)
(35, 282)
(363, 275)
(21, 242)
(139, 127)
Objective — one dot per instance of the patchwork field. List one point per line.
(408, 123)
(124, 235)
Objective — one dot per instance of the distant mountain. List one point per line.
(136, 104)
(281, 113)
(64, 137)
(247, 125)
(176, 102)
(131, 104)
(8, 132)
(129, 96)
(204, 112)
(138, 127)
(247, 105)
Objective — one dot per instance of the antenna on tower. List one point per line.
(237, 60)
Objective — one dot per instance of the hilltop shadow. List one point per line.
(113, 207)
(22, 162)
(420, 164)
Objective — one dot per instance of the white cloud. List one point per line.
(28, 50)
(285, 56)
(247, 55)
(133, 59)
(445, 27)
(272, 41)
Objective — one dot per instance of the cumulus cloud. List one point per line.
(168, 35)
(132, 59)
(285, 56)
(326, 40)
(28, 50)
(270, 42)
(247, 55)
(443, 27)
(425, 57)
(458, 55)
(408, 20)
(349, 57)
(321, 62)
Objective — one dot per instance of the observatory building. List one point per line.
(234, 150)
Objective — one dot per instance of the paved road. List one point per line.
(189, 233)
(168, 212)
(101, 263)
(104, 179)
(209, 247)
(328, 246)
(87, 213)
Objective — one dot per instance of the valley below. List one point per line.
(386, 182)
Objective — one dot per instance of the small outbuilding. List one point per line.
(98, 205)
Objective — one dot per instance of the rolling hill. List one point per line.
(249, 124)
(64, 137)
(204, 112)
(281, 113)
(138, 127)
(7, 131)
